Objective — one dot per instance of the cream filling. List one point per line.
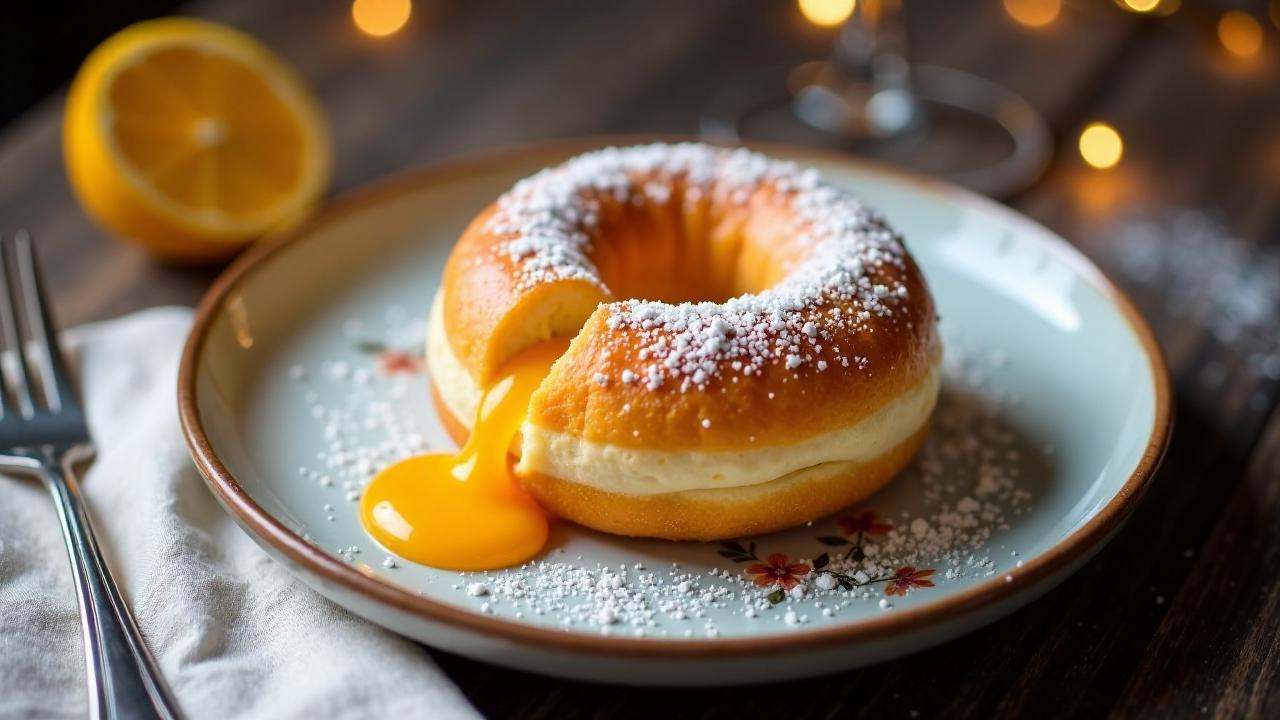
(460, 393)
(633, 471)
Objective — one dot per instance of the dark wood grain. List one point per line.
(1179, 615)
(1226, 619)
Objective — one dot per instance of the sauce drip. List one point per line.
(466, 511)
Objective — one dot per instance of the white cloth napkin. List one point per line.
(235, 635)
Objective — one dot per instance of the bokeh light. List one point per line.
(380, 18)
(1033, 13)
(1162, 8)
(1101, 146)
(1239, 33)
(827, 13)
(1141, 6)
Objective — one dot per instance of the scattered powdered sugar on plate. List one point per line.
(967, 486)
(368, 426)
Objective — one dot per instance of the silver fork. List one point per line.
(43, 433)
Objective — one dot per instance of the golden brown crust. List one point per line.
(775, 407)
(489, 318)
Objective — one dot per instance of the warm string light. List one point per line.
(1141, 6)
(1150, 7)
(1033, 13)
(827, 13)
(380, 18)
(1101, 146)
(1240, 33)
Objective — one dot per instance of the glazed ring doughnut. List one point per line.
(752, 347)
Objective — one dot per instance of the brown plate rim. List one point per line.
(290, 544)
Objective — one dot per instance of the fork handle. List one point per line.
(124, 681)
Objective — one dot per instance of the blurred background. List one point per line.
(1147, 132)
(1100, 118)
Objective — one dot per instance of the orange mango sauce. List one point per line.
(467, 511)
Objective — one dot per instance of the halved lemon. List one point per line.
(192, 139)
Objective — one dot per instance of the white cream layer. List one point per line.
(633, 471)
(459, 391)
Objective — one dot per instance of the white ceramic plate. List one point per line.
(1055, 413)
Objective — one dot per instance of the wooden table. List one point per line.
(1180, 614)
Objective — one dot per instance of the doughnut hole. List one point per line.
(691, 248)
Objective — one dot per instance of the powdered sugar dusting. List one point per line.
(850, 271)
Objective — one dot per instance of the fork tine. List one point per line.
(59, 393)
(13, 337)
(8, 331)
